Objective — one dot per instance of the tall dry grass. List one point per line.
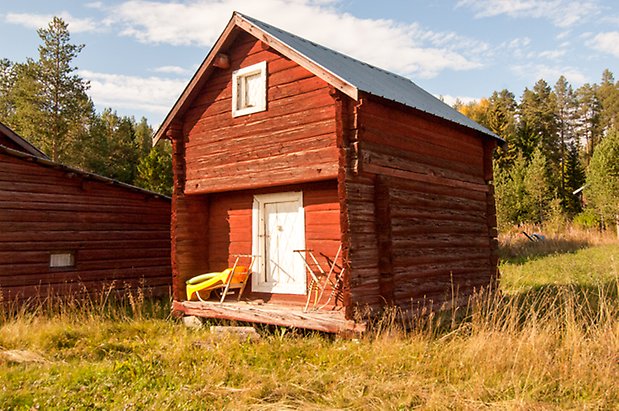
(110, 302)
(552, 346)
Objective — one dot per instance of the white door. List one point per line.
(278, 230)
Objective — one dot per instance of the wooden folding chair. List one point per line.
(320, 278)
(244, 283)
(339, 275)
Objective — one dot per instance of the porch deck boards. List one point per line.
(289, 316)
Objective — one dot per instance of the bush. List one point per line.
(587, 219)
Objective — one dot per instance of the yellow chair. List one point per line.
(208, 282)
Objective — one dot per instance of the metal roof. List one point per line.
(370, 79)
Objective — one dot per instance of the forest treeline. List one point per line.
(558, 140)
(46, 101)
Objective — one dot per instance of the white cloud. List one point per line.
(562, 13)
(171, 70)
(534, 72)
(515, 48)
(552, 54)
(451, 100)
(98, 5)
(152, 94)
(610, 19)
(37, 21)
(606, 42)
(563, 35)
(199, 22)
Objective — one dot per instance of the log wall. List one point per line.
(419, 194)
(117, 234)
(358, 218)
(292, 141)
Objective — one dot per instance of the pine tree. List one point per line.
(63, 100)
(538, 124)
(155, 170)
(44, 100)
(7, 84)
(565, 115)
(110, 148)
(510, 193)
(537, 187)
(25, 99)
(602, 190)
(144, 137)
(501, 119)
(588, 119)
(574, 178)
(608, 95)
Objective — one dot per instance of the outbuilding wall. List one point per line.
(117, 234)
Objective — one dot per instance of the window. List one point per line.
(249, 91)
(65, 259)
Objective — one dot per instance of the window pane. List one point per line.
(252, 90)
(61, 260)
(240, 92)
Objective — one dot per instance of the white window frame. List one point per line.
(258, 244)
(62, 259)
(238, 77)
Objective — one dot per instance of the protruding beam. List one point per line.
(222, 61)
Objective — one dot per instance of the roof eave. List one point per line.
(320, 71)
(22, 142)
(195, 81)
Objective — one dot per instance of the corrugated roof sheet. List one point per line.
(370, 79)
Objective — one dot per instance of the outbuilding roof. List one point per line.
(72, 171)
(21, 142)
(341, 71)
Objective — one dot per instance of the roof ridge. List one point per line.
(346, 56)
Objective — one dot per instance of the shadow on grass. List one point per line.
(586, 301)
(561, 308)
(522, 251)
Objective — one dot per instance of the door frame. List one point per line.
(258, 243)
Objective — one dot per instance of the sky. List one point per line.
(139, 55)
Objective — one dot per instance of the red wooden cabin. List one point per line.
(64, 231)
(282, 144)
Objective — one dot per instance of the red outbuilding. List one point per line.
(64, 231)
(285, 149)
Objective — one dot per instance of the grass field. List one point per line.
(550, 340)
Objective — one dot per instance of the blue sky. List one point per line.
(140, 54)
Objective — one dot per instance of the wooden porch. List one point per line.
(331, 321)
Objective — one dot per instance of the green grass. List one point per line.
(550, 341)
(586, 267)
